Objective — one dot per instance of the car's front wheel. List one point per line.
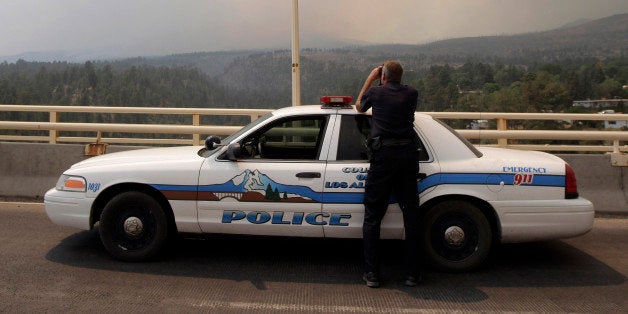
(133, 227)
(457, 237)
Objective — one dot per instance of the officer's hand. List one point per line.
(375, 73)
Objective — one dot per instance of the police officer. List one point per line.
(393, 166)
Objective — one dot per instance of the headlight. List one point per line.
(71, 183)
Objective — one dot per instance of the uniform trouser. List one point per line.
(393, 171)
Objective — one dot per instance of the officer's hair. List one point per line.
(393, 71)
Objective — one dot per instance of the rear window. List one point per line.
(461, 138)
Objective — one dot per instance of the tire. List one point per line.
(133, 227)
(456, 236)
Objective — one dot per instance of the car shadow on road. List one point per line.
(339, 261)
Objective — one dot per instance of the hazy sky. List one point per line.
(159, 27)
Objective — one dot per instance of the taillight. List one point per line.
(571, 187)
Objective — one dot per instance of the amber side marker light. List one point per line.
(74, 184)
(71, 183)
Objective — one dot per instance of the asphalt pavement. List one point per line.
(49, 268)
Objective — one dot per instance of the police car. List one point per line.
(300, 171)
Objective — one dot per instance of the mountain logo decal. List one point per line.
(254, 186)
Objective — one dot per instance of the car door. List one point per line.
(346, 175)
(274, 184)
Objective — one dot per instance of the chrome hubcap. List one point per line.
(133, 226)
(454, 235)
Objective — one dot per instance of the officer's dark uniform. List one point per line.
(393, 169)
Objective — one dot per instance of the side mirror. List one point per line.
(211, 141)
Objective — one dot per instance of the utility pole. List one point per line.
(296, 69)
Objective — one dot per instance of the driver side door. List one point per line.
(273, 183)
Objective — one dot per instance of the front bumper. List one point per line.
(70, 209)
(539, 220)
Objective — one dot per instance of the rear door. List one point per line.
(345, 178)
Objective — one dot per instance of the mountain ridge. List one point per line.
(609, 35)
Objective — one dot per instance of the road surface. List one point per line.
(45, 267)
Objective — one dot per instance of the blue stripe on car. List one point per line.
(357, 197)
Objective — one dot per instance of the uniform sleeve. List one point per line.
(415, 96)
(365, 102)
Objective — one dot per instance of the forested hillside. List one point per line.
(471, 86)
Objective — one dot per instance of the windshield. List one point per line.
(251, 125)
(204, 152)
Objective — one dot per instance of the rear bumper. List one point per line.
(70, 209)
(539, 220)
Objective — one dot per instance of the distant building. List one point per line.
(613, 124)
(600, 103)
(478, 125)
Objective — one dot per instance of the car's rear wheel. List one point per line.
(133, 227)
(457, 237)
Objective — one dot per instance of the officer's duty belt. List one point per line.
(396, 142)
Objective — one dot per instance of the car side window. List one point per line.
(352, 142)
(291, 138)
(353, 133)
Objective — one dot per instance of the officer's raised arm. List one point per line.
(373, 76)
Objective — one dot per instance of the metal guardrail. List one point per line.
(54, 125)
(501, 135)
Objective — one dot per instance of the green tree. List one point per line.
(543, 92)
(508, 75)
(608, 89)
(438, 90)
(508, 99)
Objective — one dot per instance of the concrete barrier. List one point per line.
(28, 170)
(600, 182)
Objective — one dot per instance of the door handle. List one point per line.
(308, 175)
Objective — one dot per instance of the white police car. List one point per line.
(300, 171)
